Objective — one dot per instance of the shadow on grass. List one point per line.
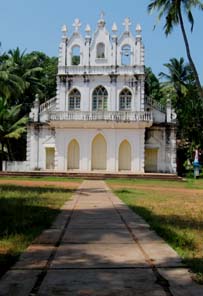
(24, 213)
(104, 268)
(181, 240)
(24, 188)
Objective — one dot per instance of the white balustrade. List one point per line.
(94, 70)
(155, 104)
(117, 116)
(47, 105)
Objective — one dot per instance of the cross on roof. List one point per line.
(127, 24)
(102, 14)
(77, 24)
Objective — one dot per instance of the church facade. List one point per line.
(100, 119)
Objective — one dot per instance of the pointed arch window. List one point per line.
(126, 55)
(75, 55)
(74, 100)
(125, 99)
(99, 98)
(100, 51)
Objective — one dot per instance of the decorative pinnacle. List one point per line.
(114, 28)
(102, 15)
(138, 29)
(101, 21)
(77, 25)
(127, 24)
(88, 29)
(64, 30)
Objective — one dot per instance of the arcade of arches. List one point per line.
(99, 154)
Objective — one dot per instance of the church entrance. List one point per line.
(151, 157)
(73, 155)
(124, 156)
(50, 155)
(99, 153)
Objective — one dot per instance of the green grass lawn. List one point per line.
(189, 183)
(24, 213)
(177, 216)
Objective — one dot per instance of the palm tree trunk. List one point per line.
(192, 65)
(10, 154)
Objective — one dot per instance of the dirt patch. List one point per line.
(34, 183)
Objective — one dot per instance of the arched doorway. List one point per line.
(151, 160)
(124, 156)
(50, 156)
(73, 155)
(99, 152)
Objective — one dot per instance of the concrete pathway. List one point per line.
(98, 247)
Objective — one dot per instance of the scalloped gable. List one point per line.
(126, 36)
(75, 39)
(98, 37)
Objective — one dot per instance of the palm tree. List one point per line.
(180, 86)
(172, 11)
(179, 75)
(10, 83)
(11, 127)
(25, 66)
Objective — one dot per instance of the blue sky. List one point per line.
(35, 25)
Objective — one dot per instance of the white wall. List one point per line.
(163, 139)
(17, 166)
(85, 138)
(113, 89)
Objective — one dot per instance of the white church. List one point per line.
(100, 119)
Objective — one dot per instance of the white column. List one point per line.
(111, 138)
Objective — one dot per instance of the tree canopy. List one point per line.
(22, 76)
(172, 11)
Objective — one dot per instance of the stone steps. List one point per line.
(95, 175)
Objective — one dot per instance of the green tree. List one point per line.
(11, 127)
(25, 67)
(10, 83)
(152, 85)
(40, 76)
(181, 87)
(173, 10)
(21, 77)
(179, 75)
(48, 74)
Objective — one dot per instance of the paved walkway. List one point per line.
(98, 247)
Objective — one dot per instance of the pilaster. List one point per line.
(142, 150)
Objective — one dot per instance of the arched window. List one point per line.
(74, 100)
(125, 55)
(99, 98)
(125, 99)
(75, 55)
(100, 51)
